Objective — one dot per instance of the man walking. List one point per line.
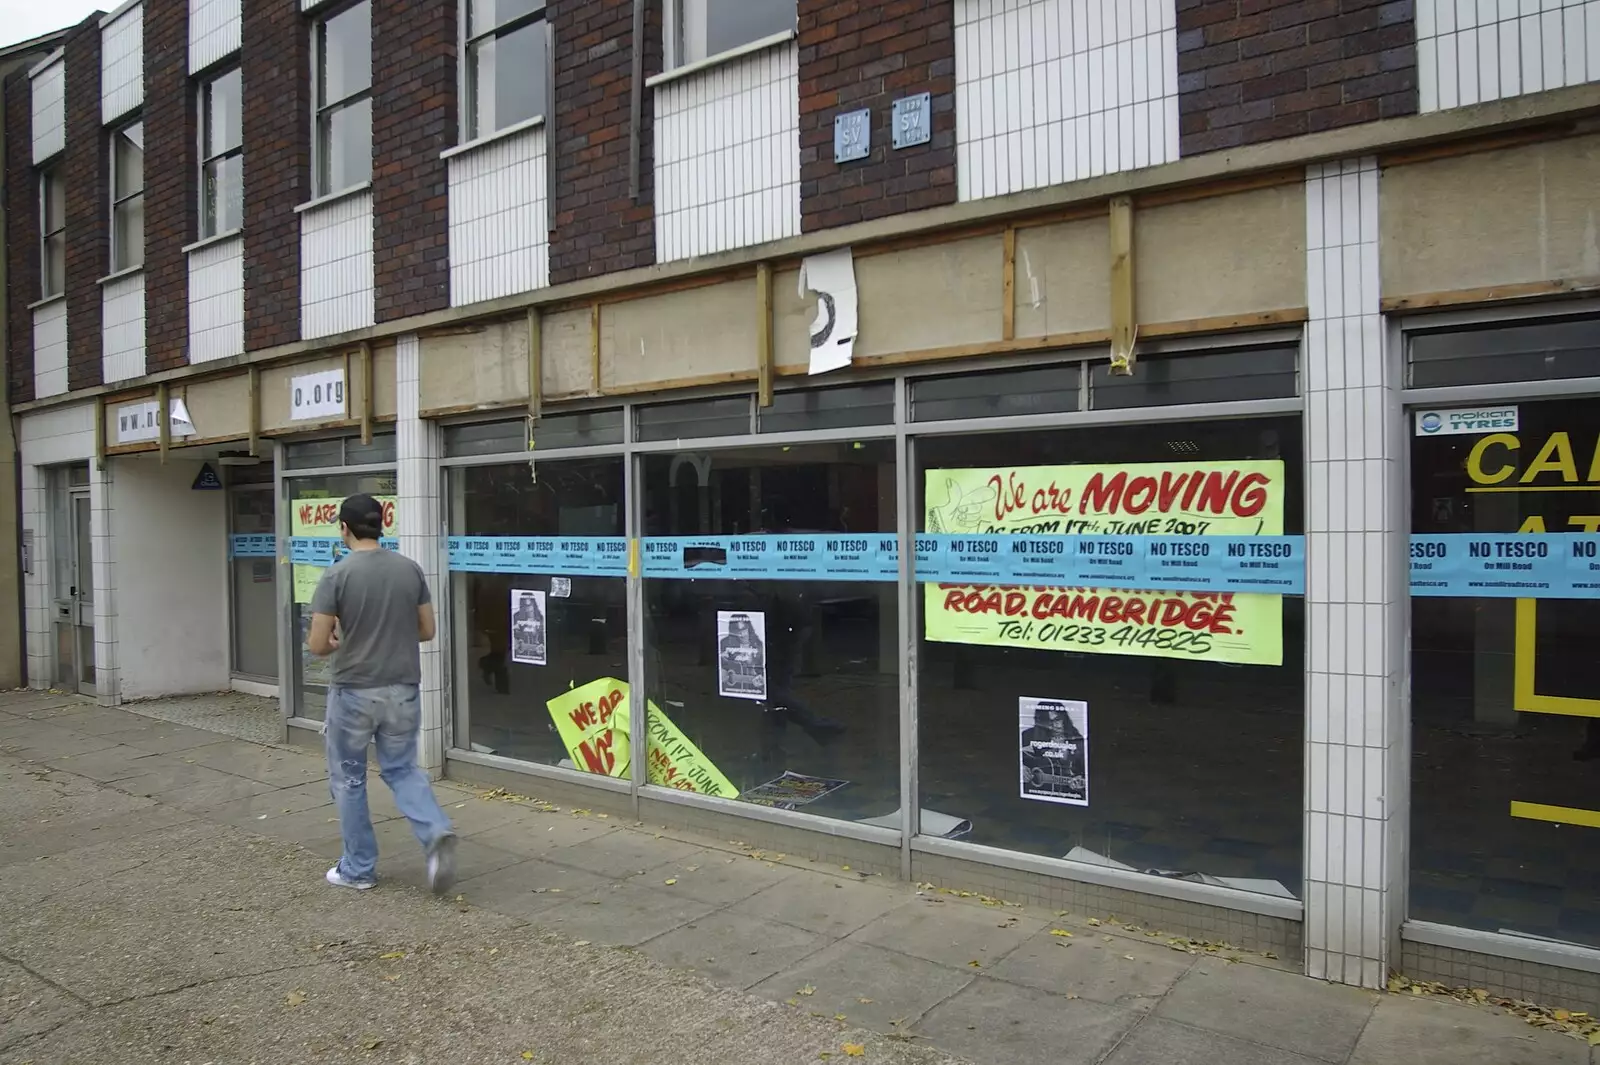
(380, 603)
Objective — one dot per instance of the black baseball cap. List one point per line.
(361, 512)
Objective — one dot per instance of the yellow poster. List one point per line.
(1134, 499)
(593, 723)
(309, 516)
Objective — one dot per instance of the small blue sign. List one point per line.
(852, 136)
(206, 480)
(912, 120)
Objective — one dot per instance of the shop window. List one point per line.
(696, 419)
(707, 28)
(339, 451)
(1045, 390)
(1527, 351)
(127, 197)
(1505, 704)
(524, 641)
(343, 144)
(1209, 377)
(828, 408)
(1154, 731)
(508, 56)
(577, 429)
(782, 689)
(222, 154)
(382, 449)
(52, 232)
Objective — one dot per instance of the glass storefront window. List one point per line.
(785, 691)
(312, 504)
(1154, 731)
(1505, 705)
(524, 639)
(254, 607)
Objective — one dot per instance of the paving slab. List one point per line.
(279, 767)
(720, 877)
(1410, 1029)
(734, 951)
(1283, 1010)
(1161, 1042)
(106, 765)
(951, 933)
(529, 888)
(30, 1006)
(621, 854)
(623, 915)
(1123, 972)
(825, 905)
(994, 1023)
(872, 987)
(259, 810)
(52, 740)
(538, 835)
(160, 737)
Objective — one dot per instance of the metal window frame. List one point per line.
(1401, 330)
(466, 82)
(322, 111)
(208, 223)
(674, 35)
(51, 173)
(117, 205)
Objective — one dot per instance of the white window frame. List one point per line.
(322, 111)
(674, 33)
(208, 223)
(51, 173)
(468, 82)
(118, 264)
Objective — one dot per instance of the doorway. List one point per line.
(72, 548)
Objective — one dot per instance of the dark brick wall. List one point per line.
(866, 55)
(1258, 70)
(88, 213)
(170, 183)
(22, 234)
(413, 120)
(598, 228)
(277, 168)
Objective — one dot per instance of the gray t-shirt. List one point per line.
(375, 596)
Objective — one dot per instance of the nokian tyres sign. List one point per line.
(1466, 421)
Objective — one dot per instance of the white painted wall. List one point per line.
(499, 239)
(336, 266)
(1051, 91)
(727, 158)
(49, 82)
(122, 64)
(50, 349)
(216, 300)
(169, 547)
(1473, 52)
(122, 327)
(214, 32)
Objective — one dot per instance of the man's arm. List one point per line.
(425, 623)
(320, 640)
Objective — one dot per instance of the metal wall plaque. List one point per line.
(912, 120)
(852, 136)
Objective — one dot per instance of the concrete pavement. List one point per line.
(161, 900)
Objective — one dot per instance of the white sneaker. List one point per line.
(442, 864)
(338, 879)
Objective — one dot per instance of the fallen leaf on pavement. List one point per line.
(853, 1050)
(294, 998)
(975, 964)
(671, 880)
(864, 1001)
(372, 1044)
(807, 990)
(581, 943)
(1094, 922)
(840, 1017)
(527, 1055)
(1060, 932)
(392, 955)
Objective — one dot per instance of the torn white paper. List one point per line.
(832, 276)
(137, 422)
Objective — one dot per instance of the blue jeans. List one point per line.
(388, 717)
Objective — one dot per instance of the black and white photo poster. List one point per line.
(1054, 750)
(742, 654)
(527, 627)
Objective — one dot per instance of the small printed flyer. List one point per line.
(742, 654)
(1054, 750)
(528, 627)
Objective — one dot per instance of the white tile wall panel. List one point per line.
(50, 349)
(499, 233)
(418, 448)
(46, 438)
(727, 159)
(107, 674)
(1355, 598)
(122, 327)
(214, 31)
(216, 300)
(1051, 91)
(49, 87)
(1474, 51)
(122, 64)
(336, 266)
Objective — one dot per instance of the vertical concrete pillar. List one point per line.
(418, 448)
(1356, 767)
(36, 583)
(107, 676)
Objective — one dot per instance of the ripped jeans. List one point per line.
(388, 717)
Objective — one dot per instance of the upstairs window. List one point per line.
(127, 197)
(700, 29)
(52, 233)
(343, 145)
(221, 154)
(508, 60)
